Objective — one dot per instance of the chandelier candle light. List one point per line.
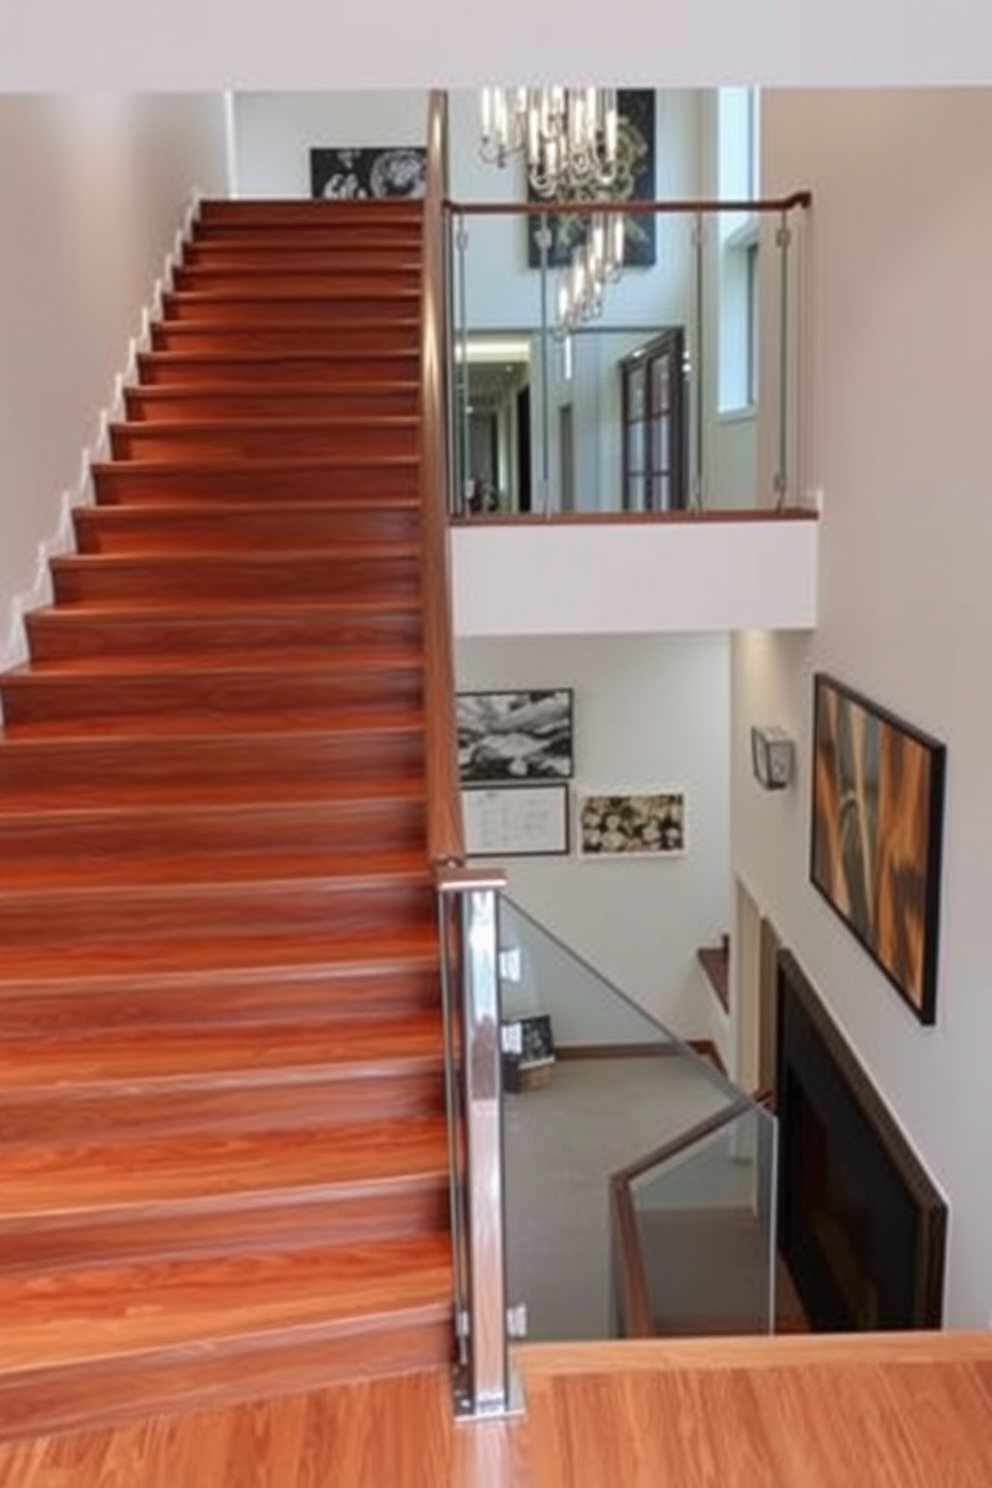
(569, 134)
(570, 137)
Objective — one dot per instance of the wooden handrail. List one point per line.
(638, 1321)
(797, 199)
(683, 1141)
(445, 834)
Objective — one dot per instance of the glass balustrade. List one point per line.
(581, 385)
(630, 1188)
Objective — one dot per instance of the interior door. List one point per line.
(653, 404)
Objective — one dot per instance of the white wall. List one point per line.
(93, 190)
(901, 366)
(297, 44)
(651, 713)
(275, 132)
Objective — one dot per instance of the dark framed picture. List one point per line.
(876, 834)
(348, 174)
(650, 824)
(635, 182)
(514, 737)
(516, 821)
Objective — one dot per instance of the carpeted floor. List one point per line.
(562, 1144)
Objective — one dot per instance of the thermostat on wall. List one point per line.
(772, 753)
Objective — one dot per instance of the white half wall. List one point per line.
(651, 713)
(275, 132)
(901, 365)
(94, 190)
(591, 578)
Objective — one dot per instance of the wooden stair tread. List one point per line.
(272, 465)
(288, 954)
(194, 726)
(205, 1167)
(187, 1058)
(331, 663)
(204, 874)
(266, 961)
(87, 1316)
(333, 424)
(297, 387)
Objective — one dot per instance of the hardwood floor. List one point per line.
(883, 1411)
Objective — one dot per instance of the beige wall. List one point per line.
(901, 442)
(93, 191)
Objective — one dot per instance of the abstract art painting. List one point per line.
(875, 840)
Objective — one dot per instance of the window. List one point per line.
(737, 268)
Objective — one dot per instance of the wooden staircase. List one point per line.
(223, 1148)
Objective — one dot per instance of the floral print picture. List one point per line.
(632, 826)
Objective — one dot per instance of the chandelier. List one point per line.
(595, 263)
(569, 135)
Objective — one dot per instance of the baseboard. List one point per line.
(706, 1048)
(38, 594)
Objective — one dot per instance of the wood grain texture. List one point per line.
(446, 841)
(870, 1412)
(223, 1145)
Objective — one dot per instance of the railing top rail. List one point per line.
(693, 1134)
(796, 200)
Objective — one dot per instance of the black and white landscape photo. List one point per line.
(514, 736)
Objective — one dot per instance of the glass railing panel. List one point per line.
(591, 1083)
(705, 1228)
(451, 954)
(650, 402)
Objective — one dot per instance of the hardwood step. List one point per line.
(350, 370)
(320, 1084)
(338, 476)
(241, 439)
(344, 301)
(282, 399)
(322, 252)
(121, 839)
(308, 273)
(229, 527)
(399, 333)
(389, 571)
(53, 1181)
(281, 983)
(411, 1205)
(125, 1062)
(345, 900)
(62, 633)
(366, 684)
(392, 213)
(222, 1329)
(121, 767)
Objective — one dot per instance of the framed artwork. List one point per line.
(516, 821)
(642, 825)
(876, 834)
(514, 737)
(357, 174)
(635, 182)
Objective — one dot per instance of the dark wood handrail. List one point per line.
(683, 1141)
(445, 834)
(638, 1321)
(796, 200)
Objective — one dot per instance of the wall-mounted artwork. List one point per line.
(376, 174)
(635, 182)
(645, 825)
(875, 840)
(518, 821)
(514, 737)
